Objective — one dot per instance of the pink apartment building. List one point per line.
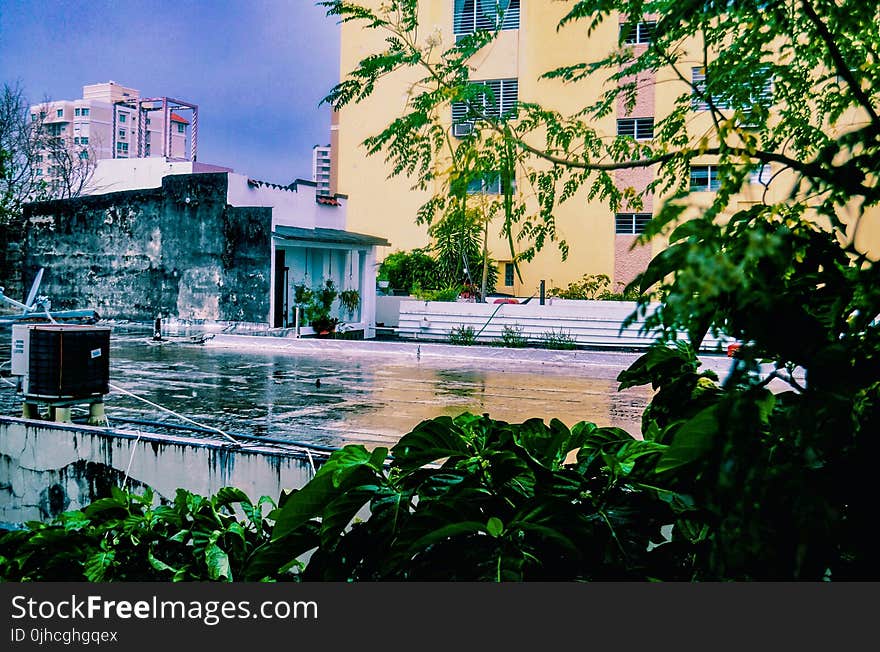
(113, 121)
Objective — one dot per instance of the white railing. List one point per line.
(586, 323)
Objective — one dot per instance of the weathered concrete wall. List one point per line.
(49, 468)
(177, 251)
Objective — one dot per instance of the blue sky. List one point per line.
(256, 68)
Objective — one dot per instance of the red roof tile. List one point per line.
(327, 201)
(177, 118)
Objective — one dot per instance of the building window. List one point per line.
(704, 178)
(76, 112)
(638, 128)
(83, 140)
(148, 122)
(760, 175)
(122, 147)
(508, 274)
(33, 117)
(639, 33)
(631, 223)
(84, 154)
(39, 172)
(59, 113)
(478, 15)
(495, 98)
(122, 117)
(488, 184)
(181, 128)
(85, 111)
(76, 140)
(122, 133)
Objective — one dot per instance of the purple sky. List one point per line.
(256, 68)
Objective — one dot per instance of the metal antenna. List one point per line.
(32, 295)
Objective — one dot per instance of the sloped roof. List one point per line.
(329, 236)
(179, 118)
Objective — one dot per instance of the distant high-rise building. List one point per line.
(113, 121)
(321, 165)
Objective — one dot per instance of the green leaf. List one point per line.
(218, 563)
(494, 526)
(692, 440)
(229, 496)
(158, 564)
(98, 564)
(430, 441)
(350, 466)
(447, 532)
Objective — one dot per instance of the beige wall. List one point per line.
(388, 206)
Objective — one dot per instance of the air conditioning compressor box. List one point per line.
(62, 361)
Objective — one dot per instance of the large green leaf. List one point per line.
(342, 509)
(545, 445)
(430, 441)
(97, 565)
(218, 563)
(350, 465)
(447, 532)
(692, 440)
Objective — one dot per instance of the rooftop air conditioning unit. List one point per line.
(61, 361)
(462, 129)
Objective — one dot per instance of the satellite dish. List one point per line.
(32, 295)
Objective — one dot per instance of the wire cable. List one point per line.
(177, 414)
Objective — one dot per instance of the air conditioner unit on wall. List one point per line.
(462, 129)
(61, 361)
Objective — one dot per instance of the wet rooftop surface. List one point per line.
(331, 393)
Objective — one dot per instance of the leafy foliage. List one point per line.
(403, 270)
(126, 537)
(593, 286)
(463, 335)
(317, 304)
(558, 339)
(512, 336)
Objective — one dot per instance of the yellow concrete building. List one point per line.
(528, 45)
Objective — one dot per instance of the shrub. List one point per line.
(444, 294)
(594, 287)
(512, 336)
(558, 339)
(463, 335)
(406, 269)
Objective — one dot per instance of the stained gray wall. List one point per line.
(176, 251)
(47, 468)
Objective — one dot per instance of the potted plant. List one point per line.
(318, 309)
(350, 300)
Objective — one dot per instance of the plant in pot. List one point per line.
(350, 300)
(302, 298)
(318, 309)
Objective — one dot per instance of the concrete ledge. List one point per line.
(49, 467)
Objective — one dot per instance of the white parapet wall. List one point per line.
(46, 468)
(586, 323)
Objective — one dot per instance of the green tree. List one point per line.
(790, 84)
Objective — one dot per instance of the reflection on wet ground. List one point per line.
(331, 401)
